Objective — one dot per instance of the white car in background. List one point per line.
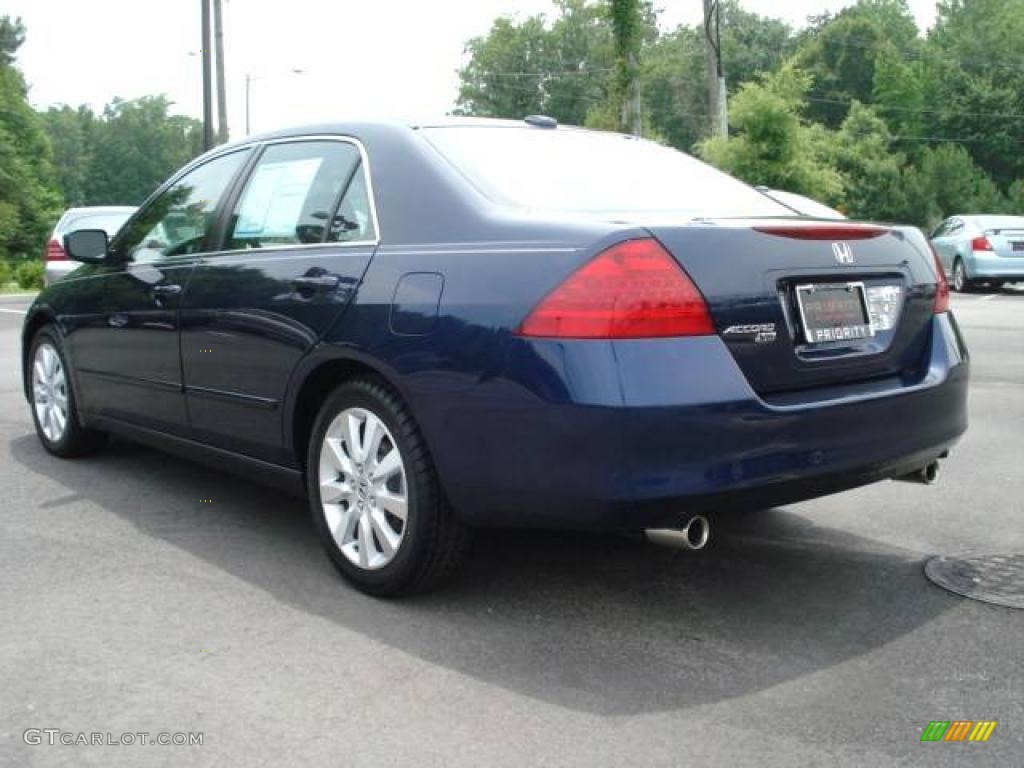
(109, 218)
(801, 204)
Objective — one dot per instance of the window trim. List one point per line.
(239, 188)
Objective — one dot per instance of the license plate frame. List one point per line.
(818, 334)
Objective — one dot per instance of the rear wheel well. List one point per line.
(315, 390)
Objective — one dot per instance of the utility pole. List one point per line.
(207, 100)
(222, 97)
(717, 106)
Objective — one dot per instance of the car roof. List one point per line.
(100, 209)
(359, 126)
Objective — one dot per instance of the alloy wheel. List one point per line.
(363, 489)
(959, 277)
(50, 392)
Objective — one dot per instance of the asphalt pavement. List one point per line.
(804, 636)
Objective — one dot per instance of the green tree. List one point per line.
(947, 182)
(871, 172)
(12, 35)
(773, 145)
(841, 53)
(121, 156)
(71, 134)
(673, 77)
(29, 199)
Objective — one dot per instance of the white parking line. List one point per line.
(14, 311)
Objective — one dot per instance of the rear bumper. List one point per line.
(625, 435)
(984, 265)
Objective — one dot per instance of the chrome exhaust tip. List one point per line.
(926, 475)
(693, 536)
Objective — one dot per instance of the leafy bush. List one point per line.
(5, 274)
(29, 275)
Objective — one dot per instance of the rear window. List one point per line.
(1001, 222)
(594, 172)
(108, 222)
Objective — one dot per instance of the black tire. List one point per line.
(435, 541)
(961, 282)
(76, 440)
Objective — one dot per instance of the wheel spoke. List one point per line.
(350, 426)
(59, 420)
(340, 462)
(387, 467)
(334, 491)
(40, 370)
(392, 504)
(388, 538)
(365, 541)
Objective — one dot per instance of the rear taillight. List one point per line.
(55, 251)
(941, 285)
(981, 244)
(633, 290)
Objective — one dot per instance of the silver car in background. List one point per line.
(109, 218)
(981, 249)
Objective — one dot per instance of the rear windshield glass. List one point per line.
(1002, 222)
(108, 222)
(590, 171)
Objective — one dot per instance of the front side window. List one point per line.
(178, 221)
(292, 195)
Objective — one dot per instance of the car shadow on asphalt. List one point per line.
(604, 624)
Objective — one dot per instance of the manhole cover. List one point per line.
(997, 579)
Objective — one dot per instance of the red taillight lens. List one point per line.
(55, 251)
(981, 244)
(823, 231)
(633, 290)
(941, 285)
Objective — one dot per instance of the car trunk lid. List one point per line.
(771, 285)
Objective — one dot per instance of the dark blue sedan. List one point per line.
(427, 328)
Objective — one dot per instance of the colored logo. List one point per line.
(959, 730)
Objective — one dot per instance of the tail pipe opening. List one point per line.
(926, 475)
(694, 535)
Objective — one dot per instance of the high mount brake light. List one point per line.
(823, 231)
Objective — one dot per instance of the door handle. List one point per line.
(316, 283)
(170, 289)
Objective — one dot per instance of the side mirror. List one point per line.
(86, 245)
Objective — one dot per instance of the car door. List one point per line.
(127, 352)
(300, 234)
(943, 240)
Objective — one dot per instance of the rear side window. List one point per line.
(594, 172)
(292, 194)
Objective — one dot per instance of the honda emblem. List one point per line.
(843, 253)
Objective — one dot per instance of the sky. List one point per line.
(368, 58)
